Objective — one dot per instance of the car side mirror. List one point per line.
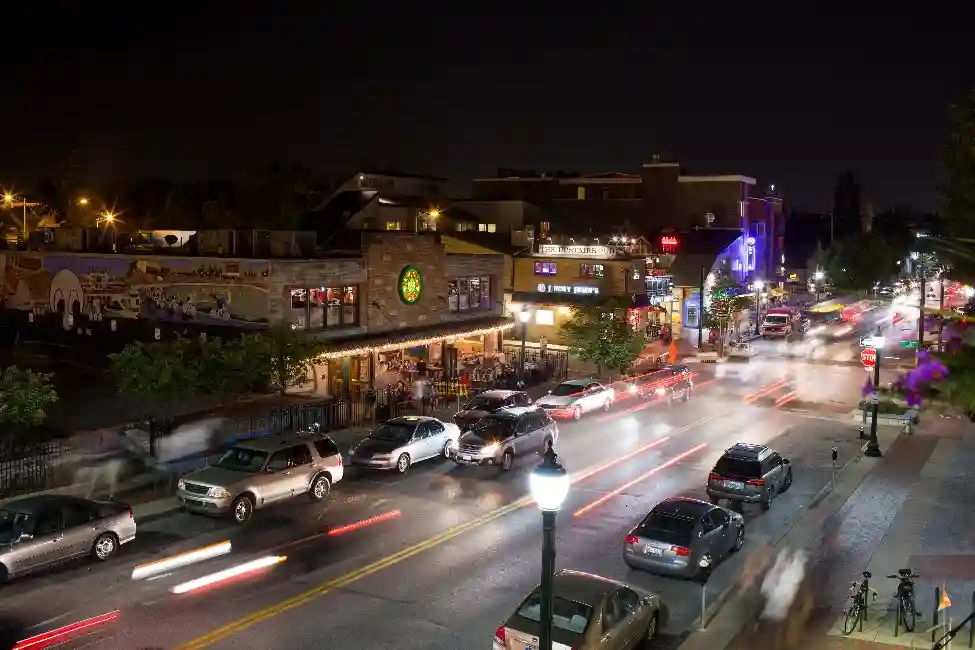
(269, 470)
(24, 537)
(726, 525)
(785, 461)
(549, 393)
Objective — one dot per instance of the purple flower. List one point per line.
(913, 398)
(867, 389)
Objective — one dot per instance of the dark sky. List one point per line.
(777, 91)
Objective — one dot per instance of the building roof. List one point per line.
(696, 252)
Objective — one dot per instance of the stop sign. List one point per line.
(869, 357)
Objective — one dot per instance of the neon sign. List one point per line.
(668, 241)
(410, 285)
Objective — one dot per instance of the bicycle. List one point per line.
(858, 605)
(905, 596)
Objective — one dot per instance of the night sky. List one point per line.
(781, 92)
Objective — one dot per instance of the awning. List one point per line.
(538, 298)
(408, 338)
(697, 249)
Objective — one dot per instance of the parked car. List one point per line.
(576, 397)
(589, 613)
(748, 473)
(674, 537)
(37, 532)
(258, 472)
(497, 439)
(400, 442)
(487, 402)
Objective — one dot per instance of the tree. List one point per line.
(601, 335)
(861, 260)
(24, 399)
(281, 354)
(727, 298)
(957, 195)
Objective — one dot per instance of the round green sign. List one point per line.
(410, 285)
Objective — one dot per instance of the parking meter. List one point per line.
(862, 433)
(835, 454)
(701, 578)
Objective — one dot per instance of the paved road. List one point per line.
(448, 594)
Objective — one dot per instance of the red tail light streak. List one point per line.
(765, 391)
(618, 491)
(386, 516)
(227, 574)
(783, 400)
(65, 633)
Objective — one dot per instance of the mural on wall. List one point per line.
(178, 289)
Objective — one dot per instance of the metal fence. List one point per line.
(552, 366)
(32, 468)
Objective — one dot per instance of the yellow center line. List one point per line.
(271, 611)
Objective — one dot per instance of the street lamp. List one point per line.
(549, 484)
(873, 446)
(83, 201)
(524, 316)
(758, 307)
(9, 200)
(818, 276)
(106, 217)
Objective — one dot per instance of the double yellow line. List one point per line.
(245, 622)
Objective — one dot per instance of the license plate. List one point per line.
(193, 502)
(734, 485)
(652, 550)
(530, 647)
(467, 458)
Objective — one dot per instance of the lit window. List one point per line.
(544, 317)
(590, 270)
(545, 268)
(471, 293)
(394, 225)
(581, 193)
(492, 227)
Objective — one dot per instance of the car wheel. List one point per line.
(320, 488)
(766, 503)
(607, 405)
(652, 629)
(739, 539)
(403, 463)
(577, 413)
(241, 509)
(4, 575)
(446, 449)
(507, 460)
(104, 547)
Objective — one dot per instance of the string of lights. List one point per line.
(409, 343)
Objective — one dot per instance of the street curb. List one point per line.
(721, 599)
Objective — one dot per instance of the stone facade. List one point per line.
(388, 253)
(286, 275)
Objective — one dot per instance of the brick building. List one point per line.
(370, 295)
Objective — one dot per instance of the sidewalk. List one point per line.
(911, 508)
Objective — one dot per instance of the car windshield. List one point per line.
(394, 431)
(12, 523)
(241, 459)
(667, 528)
(567, 615)
(740, 467)
(777, 319)
(567, 389)
(484, 403)
(494, 428)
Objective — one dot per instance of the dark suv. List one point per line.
(748, 473)
(497, 439)
(488, 402)
(670, 383)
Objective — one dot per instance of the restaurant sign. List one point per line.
(553, 250)
(573, 289)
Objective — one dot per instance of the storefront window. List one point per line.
(298, 298)
(468, 294)
(545, 268)
(544, 317)
(590, 270)
(327, 306)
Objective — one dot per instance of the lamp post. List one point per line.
(873, 445)
(758, 307)
(524, 316)
(9, 200)
(921, 303)
(549, 486)
(818, 276)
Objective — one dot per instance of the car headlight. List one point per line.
(218, 492)
(632, 388)
(489, 449)
(181, 484)
(661, 391)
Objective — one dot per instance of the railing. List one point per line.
(32, 468)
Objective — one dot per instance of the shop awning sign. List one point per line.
(573, 289)
(554, 250)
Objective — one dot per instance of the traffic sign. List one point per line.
(909, 344)
(869, 357)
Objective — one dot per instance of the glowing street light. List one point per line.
(819, 275)
(434, 213)
(969, 291)
(549, 484)
(108, 217)
(83, 200)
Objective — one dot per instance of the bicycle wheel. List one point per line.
(852, 617)
(908, 613)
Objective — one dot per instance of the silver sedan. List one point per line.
(400, 442)
(41, 531)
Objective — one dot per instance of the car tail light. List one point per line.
(131, 514)
(715, 477)
(340, 460)
(758, 482)
(632, 539)
(681, 551)
(499, 635)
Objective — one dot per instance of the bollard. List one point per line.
(934, 619)
(835, 456)
(866, 599)
(897, 619)
(971, 623)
